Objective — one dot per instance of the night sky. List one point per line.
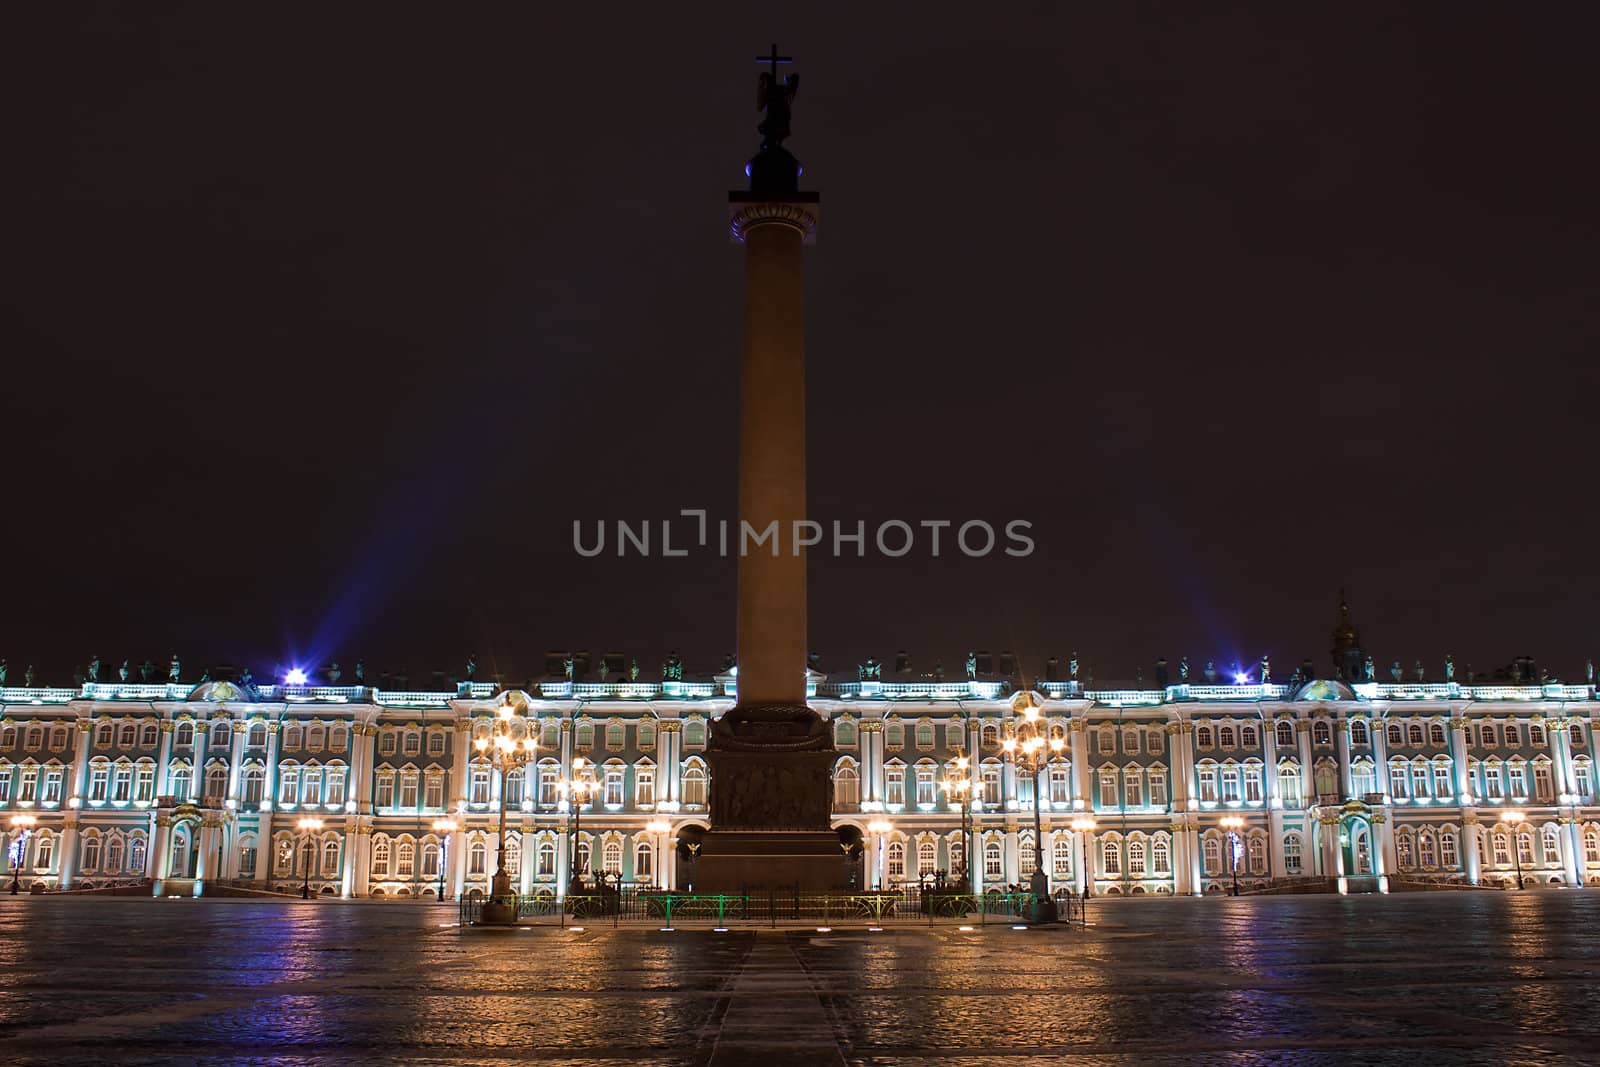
(323, 323)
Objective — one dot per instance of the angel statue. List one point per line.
(775, 100)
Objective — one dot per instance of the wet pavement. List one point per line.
(1476, 978)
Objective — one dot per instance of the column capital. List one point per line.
(167, 726)
(666, 726)
(798, 214)
(85, 725)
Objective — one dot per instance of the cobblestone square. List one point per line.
(1447, 977)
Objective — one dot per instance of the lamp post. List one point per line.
(1514, 819)
(21, 828)
(444, 828)
(509, 745)
(1029, 746)
(1233, 824)
(578, 789)
(309, 827)
(882, 828)
(660, 828)
(1083, 826)
(958, 786)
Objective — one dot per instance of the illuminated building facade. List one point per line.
(169, 789)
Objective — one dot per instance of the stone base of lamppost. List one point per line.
(501, 907)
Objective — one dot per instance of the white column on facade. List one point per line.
(205, 845)
(358, 858)
(563, 864)
(527, 854)
(159, 858)
(236, 762)
(1471, 856)
(197, 770)
(1385, 859)
(667, 786)
(164, 759)
(871, 737)
(1328, 846)
(67, 861)
(1570, 847)
(1183, 750)
(669, 861)
(1308, 775)
(1341, 739)
(1194, 855)
(1080, 765)
(80, 763)
(1269, 753)
(1460, 756)
(1082, 857)
(871, 860)
(1555, 735)
(460, 756)
(1013, 858)
(458, 861)
(269, 784)
(1378, 729)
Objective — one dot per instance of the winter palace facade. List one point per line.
(1361, 786)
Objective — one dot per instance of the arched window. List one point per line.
(104, 735)
(1026, 854)
(1358, 732)
(216, 782)
(316, 733)
(616, 736)
(91, 852)
(989, 736)
(330, 858)
(1436, 733)
(644, 857)
(1248, 738)
(1591, 846)
(127, 734)
(255, 779)
(1111, 857)
(1225, 739)
(1136, 858)
(183, 736)
(927, 858)
(1427, 854)
(694, 733)
(646, 735)
(1550, 845)
(846, 786)
(1403, 851)
(547, 859)
(257, 735)
(114, 855)
(1448, 854)
(1575, 734)
(1213, 855)
(894, 734)
(611, 857)
(993, 861)
(1396, 735)
(1061, 857)
(478, 856)
(895, 867)
(1414, 734)
(694, 786)
(844, 733)
(1285, 730)
(1258, 854)
(405, 858)
(380, 857)
(1291, 854)
(1321, 732)
(430, 860)
(585, 735)
(221, 734)
(1161, 857)
(1202, 736)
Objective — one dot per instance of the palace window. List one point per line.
(311, 786)
(1399, 783)
(925, 787)
(1108, 788)
(478, 855)
(645, 732)
(144, 784)
(1158, 787)
(217, 782)
(385, 794)
(1575, 735)
(584, 737)
(924, 735)
(1136, 858)
(1550, 845)
(1358, 732)
(1519, 779)
(1230, 783)
(1321, 732)
(433, 791)
(927, 859)
(1130, 740)
(694, 734)
(183, 736)
(104, 735)
(221, 735)
(1591, 847)
(1154, 743)
(1513, 735)
(955, 737)
(1525, 848)
(99, 779)
(127, 734)
(1493, 787)
(1442, 786)
(257, 735)
(1133, 786)
(613, 785)
(549, 777)
(330, 858)
(993, 862)
(338, 738)
(895, 785)
(480, 784)
(644, 786)
(91, 852)
(546, 859)
(1061, 857)
(1225, 737)
(412, 743)
(1419, 780)
(644, 867)
(430, 860)
(1486, 732)
(1436, 733)
(1213, 855)
(408, 788)
(294, 739)
(1202, 736)
(1060, 783)
(989, 736)
(1285, 731)
(1160, 857)
(846, 786)
(1258, 855)
(1248, 738)
(1402, 850)
(1111, 857)
(1502, 848)
(336, 779)
(990, 782)
(178, 782)
(435, 742)
(1448, 855)
(288, 786)
(380, 857)
(896, 865)
(894, 735)
(616, 736)
(1541, 782)
(694, 787)
(958, 861)
(1582, 781)
(1291, 854)
(1414, 734)
(1025, 853)
(1289, 784)
(1208, 782)
(254, 779)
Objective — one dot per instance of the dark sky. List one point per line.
(322, 323)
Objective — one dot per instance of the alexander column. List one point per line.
(771, 756)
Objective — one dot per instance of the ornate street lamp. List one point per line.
(21, 828)
(1514, 819)
(444, 828)
(309, 828)
(509, 745)
(1083, 826)
(957, 785)
(1030, 747)
(883, 828)
(1233, 824)
(577, 789)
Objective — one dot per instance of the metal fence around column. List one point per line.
(775, 907)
